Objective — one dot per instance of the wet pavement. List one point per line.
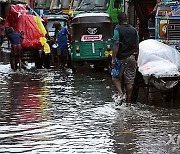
(55, 111)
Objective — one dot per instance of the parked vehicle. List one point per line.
(42, 6)
(164, 25)
(72, 7)
(52, 18)
(91, 39)
(63, 6)
(167, 23)
(111, 7)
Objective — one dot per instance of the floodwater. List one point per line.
(55, 111)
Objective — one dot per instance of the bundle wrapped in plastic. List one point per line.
(159, 59)
(20, 19)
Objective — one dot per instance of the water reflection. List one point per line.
(4, 56)
(28, 99)
(52, 111)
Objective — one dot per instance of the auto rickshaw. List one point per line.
(91, 39)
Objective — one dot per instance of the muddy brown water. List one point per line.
(55, 111)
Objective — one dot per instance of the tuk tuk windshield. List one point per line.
(74, 4)
(42, 4)
(92, 29)
(58, 4)
(92, 5)
(65, 3)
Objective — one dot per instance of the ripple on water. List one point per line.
(59, 112)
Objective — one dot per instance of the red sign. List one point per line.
(91, 37)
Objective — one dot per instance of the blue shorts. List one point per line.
(62, 52)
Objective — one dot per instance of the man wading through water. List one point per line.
(16, 48)
(63, 36)
(125, 52)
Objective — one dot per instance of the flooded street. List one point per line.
(55, 111)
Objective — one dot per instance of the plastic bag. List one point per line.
(116, 70)
(158, 59)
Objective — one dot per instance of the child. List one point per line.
(16, 48)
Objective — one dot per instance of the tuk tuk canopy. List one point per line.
(92, 24)
(91, 18)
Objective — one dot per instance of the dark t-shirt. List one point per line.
(15, 38)
(62, 38)
(127, 37)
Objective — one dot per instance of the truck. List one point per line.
(44, 7)
(167, 23)
(161, 24)
(111, 7)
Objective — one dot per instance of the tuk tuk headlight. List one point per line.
(77, 48)
(108, 48)
(108, 52)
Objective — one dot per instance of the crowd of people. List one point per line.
(61, 37)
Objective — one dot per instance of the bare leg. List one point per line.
(129, 89)
(20, 63)
(14, 63)
(64, 61)
(58, 61)
(117, 84)
(53, 55)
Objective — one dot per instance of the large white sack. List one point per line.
(158, 58)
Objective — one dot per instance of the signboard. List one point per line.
(91, 38)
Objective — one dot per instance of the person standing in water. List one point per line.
(125, 52)
(16, 48)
